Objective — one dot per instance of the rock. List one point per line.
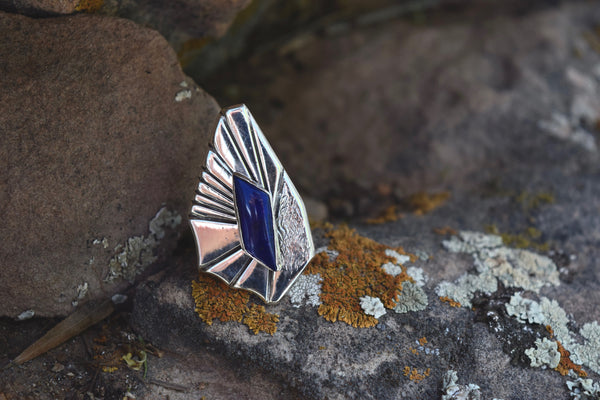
(183, 20)
(99, 160)
(40, 7)
(453, 105)
(415, 108)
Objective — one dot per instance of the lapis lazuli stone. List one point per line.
(256, 221)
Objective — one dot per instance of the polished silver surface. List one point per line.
(240, 148)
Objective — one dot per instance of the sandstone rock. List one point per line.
(94, 144)
(40, 7)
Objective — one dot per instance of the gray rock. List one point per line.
(451, 106)
(98, 158)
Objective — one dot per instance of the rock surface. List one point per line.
(439, 105)
(470, 108)
(95, 141)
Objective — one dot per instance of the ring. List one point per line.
(249, 222)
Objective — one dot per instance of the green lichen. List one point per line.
(412, 298)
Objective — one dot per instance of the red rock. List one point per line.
(93, 143)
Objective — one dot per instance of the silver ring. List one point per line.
(248, 219)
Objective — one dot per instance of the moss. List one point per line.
(356, 272)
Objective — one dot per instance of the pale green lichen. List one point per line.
(513, 267)
(584, 389)
(588, 353)
(544, 354)
(400, 258)
(306, 290)
(418, 275)
(392, 269)
(545, 312)
(549, 313)
(372, 306)
(451, 390)
(138, 252)
(464, 288)
(412, 298)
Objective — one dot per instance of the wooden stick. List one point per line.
(87, 315)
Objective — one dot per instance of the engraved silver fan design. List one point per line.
(248, 219)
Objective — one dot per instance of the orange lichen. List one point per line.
(423, 341)
(451, 303)
(89, 6)
(257, 319)
(550, 331)
(423, 203)
(565, 364)
(390, 214)
(414, 351)
(414, 375)
(214, 299)
(355, 273)
(446, 230)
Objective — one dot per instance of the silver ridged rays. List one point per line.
(248, 219)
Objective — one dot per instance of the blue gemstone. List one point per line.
(256, 221)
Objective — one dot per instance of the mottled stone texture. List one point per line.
(452, 106)
(92, 145)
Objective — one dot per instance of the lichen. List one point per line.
(418, 276)
(390, 214)
(566, 365)
(463, 289)
(513, 267)
(545, 312)
(549, 313)
(372, 306)
(183, 95)
(584, 389)
(414, 375)
(412, 298)
(89, 6)
(306, 290)
(451, 303)
(27, 314)
(258, 320)
(216, 300)
(528, 239)
(355, 272)
(423, 203)
(588, 353)
(451, 390)
(544, 354)
(137, 252)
